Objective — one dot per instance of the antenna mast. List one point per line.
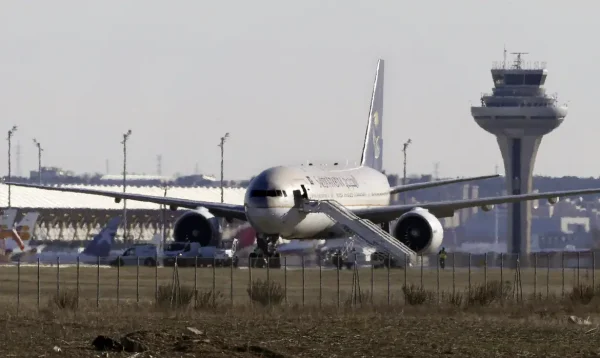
(504, 62)
(159, 164)
(518, 61)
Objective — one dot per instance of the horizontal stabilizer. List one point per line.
(431, 184)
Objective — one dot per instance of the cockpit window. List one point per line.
(265, 193)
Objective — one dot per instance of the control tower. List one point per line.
(519, 113)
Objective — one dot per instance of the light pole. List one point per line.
(124, 142)
(10, 134)
(406, 144)
(222, 145)
(39, 147)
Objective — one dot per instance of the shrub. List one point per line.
(416, 295)
(65, 300)
(266, 292)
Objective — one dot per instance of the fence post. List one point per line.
(548, 277)
(231, 283)
(469, 274)
(388, 281)
(18, 285)
(406, 263)
(593, 269)
(38, 283)
(118, 281)
(57, 277)
(453, 274)
(535, 262)
(337, 267)
(562, 264)
(77, 284)
(137, 280)
(485, 266)
(250, 281)
(285, 280)
(268, 281)
(156, 277)
(438, 278)
(98, 282)
(372, 280)
(578, 266)
(214, 283)
(421, 271)
(320, 284)
(302, 280)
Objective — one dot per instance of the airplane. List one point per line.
(8, 218)
(99, 247)
(23, 231)
(275, 198)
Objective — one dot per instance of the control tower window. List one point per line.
(533, 80)
(514, 79)
(498, 79)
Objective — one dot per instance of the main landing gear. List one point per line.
(265, 252)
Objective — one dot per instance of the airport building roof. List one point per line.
(37, 198)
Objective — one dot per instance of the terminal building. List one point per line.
(519, 113)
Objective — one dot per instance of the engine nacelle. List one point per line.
(420, 230)
(197, 226)
(487, 207)
(553, 200)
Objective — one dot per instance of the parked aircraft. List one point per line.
(275, 200)
(22, 232)
(99, 247)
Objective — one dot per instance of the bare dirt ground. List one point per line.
(487, 324)
(422, 333)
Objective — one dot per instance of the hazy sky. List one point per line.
(290, 81)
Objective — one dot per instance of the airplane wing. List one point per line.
(218, 209)
(447, 208)
(431, 184)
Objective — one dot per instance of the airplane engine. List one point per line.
(420, 230)
(197, 226)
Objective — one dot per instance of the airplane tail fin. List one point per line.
(26, 227)
(8, 219)
(104, 240)
(372, 155)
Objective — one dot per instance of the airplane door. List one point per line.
(304, 192)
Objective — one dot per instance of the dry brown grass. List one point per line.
(486, 319)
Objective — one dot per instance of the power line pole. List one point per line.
(10, 134)
(159, 164)
(124, 142)
(39, 147)
(164, 218)
(406, 144)
(222, 145)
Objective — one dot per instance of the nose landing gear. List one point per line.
(265, 252)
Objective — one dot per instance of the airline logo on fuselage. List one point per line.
(337, 182)
(376, 138)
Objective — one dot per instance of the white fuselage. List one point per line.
(269, 201)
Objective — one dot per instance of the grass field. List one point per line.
(311, 324)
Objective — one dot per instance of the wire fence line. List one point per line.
(537, 275)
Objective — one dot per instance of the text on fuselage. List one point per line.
(337, 182)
